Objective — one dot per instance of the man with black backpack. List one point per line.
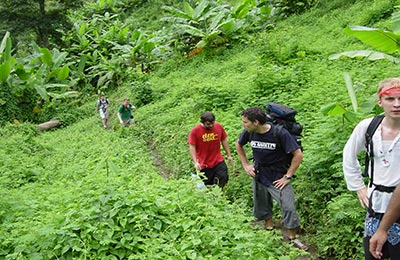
(380, 137)
(276, 159)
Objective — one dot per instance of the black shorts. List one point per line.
(217, 175)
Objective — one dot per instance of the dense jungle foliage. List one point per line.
(82, 192)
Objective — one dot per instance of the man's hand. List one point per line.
(230, 159)
(197, 166)
(376, 243)
(249, 168)
(281, 183)
(363, 197)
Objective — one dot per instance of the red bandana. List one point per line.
(390, 91)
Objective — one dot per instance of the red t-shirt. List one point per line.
(208, 144)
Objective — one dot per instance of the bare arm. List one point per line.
(295, 163)
(391, 215)
(119, 117)
(225, 145)
(192, 152)
(249, 168)
(363, 197)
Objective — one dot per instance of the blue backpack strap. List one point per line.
(369, 156)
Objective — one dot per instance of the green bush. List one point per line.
(351, 228)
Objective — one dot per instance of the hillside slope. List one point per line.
(288, 64)
(82, 192)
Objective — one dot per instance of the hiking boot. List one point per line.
(291, 233)
(268, 224)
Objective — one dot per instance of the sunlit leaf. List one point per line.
(243, 8)
(82, 29)
(59, 58)
(199, 46)
(63, 73)
(382, 40)
(5, 47)
(63, 95)
(82, 63)
(266, 10)
(216, 21)
(198, 11)
(188, 9)
(21, 72)
(193, 30)
(176, 12)
(350, 90)
(229, 26)
(47, 57)
(371, 55)
(395, 22)
(351, 116)
(333, 109)
(5, 70)
(149, 46)
(136, 35)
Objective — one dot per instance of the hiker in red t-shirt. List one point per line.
(205, 142)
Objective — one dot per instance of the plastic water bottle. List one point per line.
(199, 183)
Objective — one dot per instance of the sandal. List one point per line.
(298, 244)
(269, 228)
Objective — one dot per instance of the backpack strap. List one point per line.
(369, 157)
(277, 133)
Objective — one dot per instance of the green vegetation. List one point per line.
(80, 192)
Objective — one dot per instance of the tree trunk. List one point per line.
(48, 125)
(43, 36)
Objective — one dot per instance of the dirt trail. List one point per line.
(158, 161)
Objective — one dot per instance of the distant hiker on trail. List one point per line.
(391, 216)
(102, 108)
(383, 166)
(205, 142)
(124, 113)
(276, 159)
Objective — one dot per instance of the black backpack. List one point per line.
(284, 117)
(369, 156)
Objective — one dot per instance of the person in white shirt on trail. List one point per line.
(384, 172)
(102, 108)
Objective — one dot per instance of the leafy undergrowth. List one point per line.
(82, 192)
(288, 64)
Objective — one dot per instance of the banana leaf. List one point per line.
(382, 40)
(371, 55)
